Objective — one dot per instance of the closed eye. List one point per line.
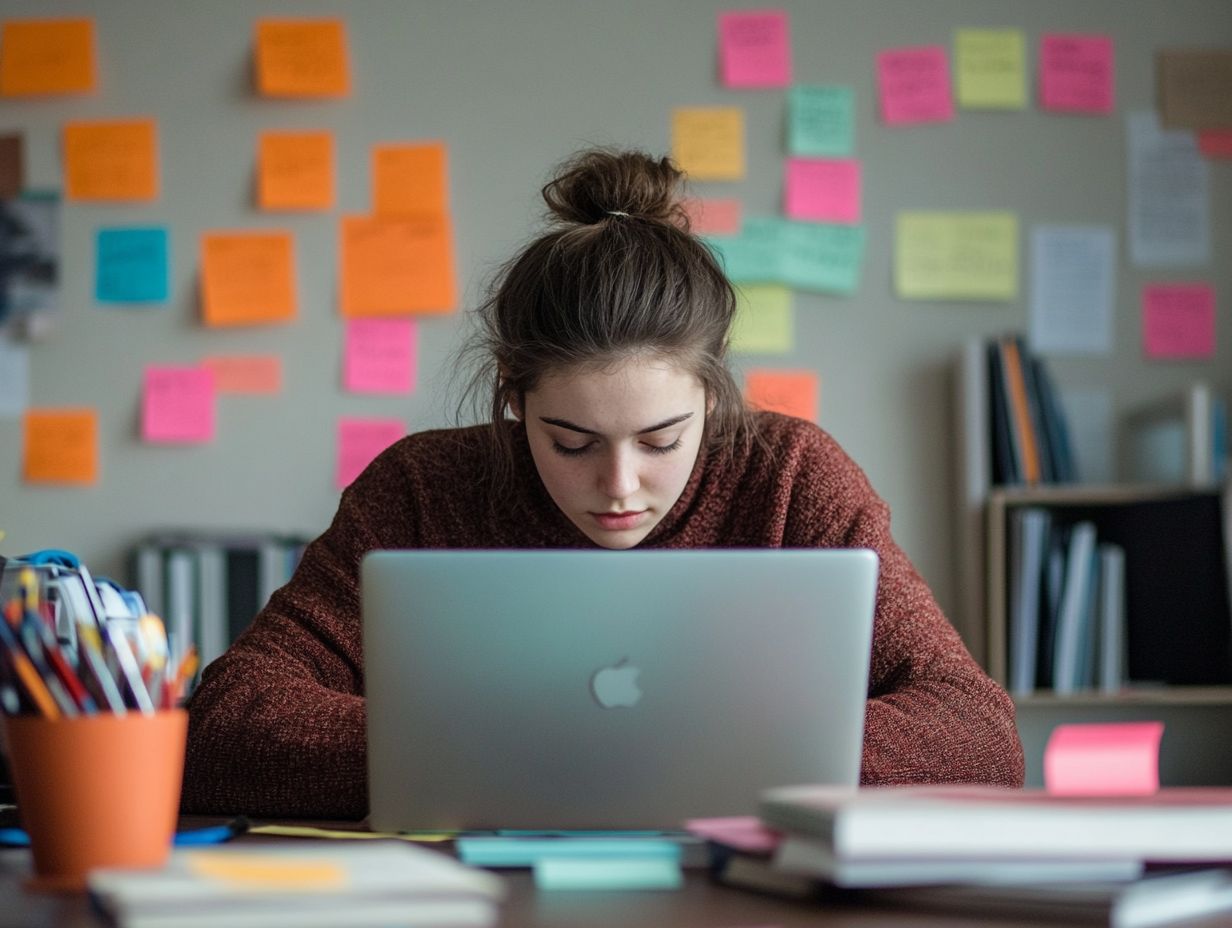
(662, 449)
(571, 452)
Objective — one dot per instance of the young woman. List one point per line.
(614, 423)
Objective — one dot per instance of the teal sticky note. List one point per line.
(755, 255)
(131, 266)
(526, 852)
(821, 121)
(616, 873)
(823, 258)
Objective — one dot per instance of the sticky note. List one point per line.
(822, 257)
(822, 189)
(991, 68)
(177, 404)
(743, 832)
(713, 215)
(111, 160)
(756, 254)
(359, 442)
(1104, 759)
(1215, 143)
(764, 323)
(793, 393)
(397, 265)
(1077, 73)
(301, 58)
(821, 121)
(131, 265)
(409, 180)
(61, 446)
(245, 373)
(311, 831)
(1194, 88)
(914, 85)
(295, 171)
(379, 356)
(755, 48)
(46, 56)
(1178, 320)
(247, 278)
(267, 871)
(567, 873)
(708, 142)
(959, 256)
(12, 165)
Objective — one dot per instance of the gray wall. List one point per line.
(513, 87)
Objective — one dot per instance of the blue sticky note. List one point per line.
(821, 121)
(754, 256)
(616, 873)
(526, 852)
(823, 258)
(131, 266)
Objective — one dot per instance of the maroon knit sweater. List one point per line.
(277, 725)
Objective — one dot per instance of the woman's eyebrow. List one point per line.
(566, 424)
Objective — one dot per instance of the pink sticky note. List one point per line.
(743, 832)
(361, 440)
(380, 356)
(823, 189)
(1077, 73)
(713, 216)
(1215, 143)
(755, 48)
(914, 85)
(1107, 759)
(177, 404)
(1178, 320)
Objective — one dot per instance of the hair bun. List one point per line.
(600, 184)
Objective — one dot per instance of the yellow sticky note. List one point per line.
(793, 393)
(409, 180)
(764, 322)
(111, 160)
(301, 58)
(247, 278)
(268, 871)
(959, 256)
(708, 142)
(991, 68)
(46, 56)
(296, 170)
(397, 265)
(61, 446)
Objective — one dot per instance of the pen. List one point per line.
(27, 676)
(38, 679)
(43, 649)
(128, 667)
(90, 644)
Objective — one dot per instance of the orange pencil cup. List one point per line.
(98, 790)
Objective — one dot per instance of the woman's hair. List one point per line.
(617, 274)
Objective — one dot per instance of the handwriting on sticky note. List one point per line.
(296, 170)
(1178, 320)
(1077, 73)
(755, 48)
(177, 404)
(409, 180)
(397, 265)
(111, 160)
(713, 215)
(60, 446)
(46, 56)
(301, 58)
(822, 257)
(131, 266)
(823, 189)
(380, 356)
(245, 373)
(260, 871)
(821, 121)
(764, 322)
(793, 393)
(708, 142)
(914, 85)
(359, 442)
(991, 68)
(247, 278)
(961, 256)
(1106, 759)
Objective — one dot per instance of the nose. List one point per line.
(618, 479)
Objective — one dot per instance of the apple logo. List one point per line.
(616, 686)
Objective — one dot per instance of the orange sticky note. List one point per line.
(302, 58)
(61, 446)
(245, 373)
(46, 56)
(409, 180)
(708, 142)
(247, 278)
(1103, 759)
(393, 266)
(295, 170)
(793, 393)
(111, 160)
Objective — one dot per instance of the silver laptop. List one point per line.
(557, 689)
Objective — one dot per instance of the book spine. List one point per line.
(1016, 390)
(1005, 469)
(1111, 677)
(1067, 672)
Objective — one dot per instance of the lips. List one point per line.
(619, 521)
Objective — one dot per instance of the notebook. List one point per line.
(553, 689)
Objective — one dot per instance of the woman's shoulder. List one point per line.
(783, 438)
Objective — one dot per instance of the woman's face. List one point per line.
(615, 447)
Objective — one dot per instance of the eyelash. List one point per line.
(575, 452)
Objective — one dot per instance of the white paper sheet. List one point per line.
(1073, 289)
(1169, 198)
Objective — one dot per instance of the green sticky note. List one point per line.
(991, 68)
(822, 257)
(755, 255)
(764, 322)
(615, 873)
(821, 121)
(956, 256)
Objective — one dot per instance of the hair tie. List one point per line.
(617, 212)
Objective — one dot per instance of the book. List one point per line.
(1074, 617)
(1111, 611)
(375, 883)
(1179, 824)
(1028, 551)
(1022, 428)
(1181, 439)
(1006, 469)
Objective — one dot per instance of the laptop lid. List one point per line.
(601, 689)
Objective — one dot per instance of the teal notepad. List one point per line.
(527, 852)
(616, 873)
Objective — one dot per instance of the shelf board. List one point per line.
(1080, 494)
(1152, 696)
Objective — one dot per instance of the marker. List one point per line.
(91, 646)
(27, 676)
(128, 668)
